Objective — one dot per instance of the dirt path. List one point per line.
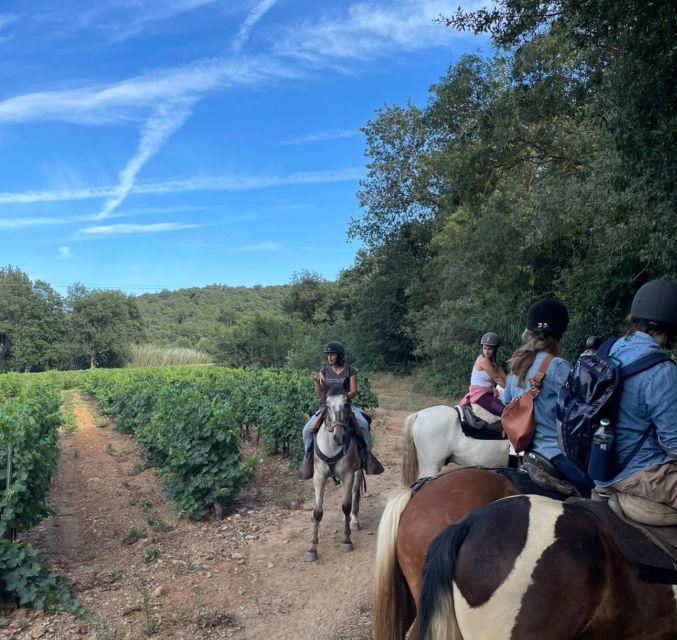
(241, 577)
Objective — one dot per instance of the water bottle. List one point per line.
(601, 463)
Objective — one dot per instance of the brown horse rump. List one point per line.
(635, 542)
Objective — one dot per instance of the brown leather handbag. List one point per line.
(518, 415)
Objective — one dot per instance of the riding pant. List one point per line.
(361, 421)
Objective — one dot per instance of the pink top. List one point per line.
(475, 393)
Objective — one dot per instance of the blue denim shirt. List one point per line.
(649, 396)
(545, 436)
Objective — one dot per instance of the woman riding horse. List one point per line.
(486, 374)
(336, 373)
(547, 320)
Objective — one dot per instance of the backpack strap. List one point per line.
(643, 363)
(605, 348)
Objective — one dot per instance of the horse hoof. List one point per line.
(355, 526)
(347, 546)
(310, 556)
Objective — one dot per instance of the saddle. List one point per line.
(319, 419)
(485, 426)
(650, 550)
(542, 472)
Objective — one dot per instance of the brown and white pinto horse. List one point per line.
(531, 568)
(408, 525)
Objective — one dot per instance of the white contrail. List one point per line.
(236, 182)
(166, 120)
(254, 16)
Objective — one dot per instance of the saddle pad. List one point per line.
(650, 562)
(473, 427)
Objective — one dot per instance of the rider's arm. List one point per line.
(660, 396)
(497, 374)
(320, 384)
(352, 391)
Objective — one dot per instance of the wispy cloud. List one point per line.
(126, 229)
(65, 252)
(260, 246)
(234, 182)
(7, 18)
(261, 8)
(366, 30)
(161, 125)
(152, 13)
(321, 136)
(369, 29)
(132, 98)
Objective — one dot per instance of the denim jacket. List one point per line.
(648, 397)
(545, 436)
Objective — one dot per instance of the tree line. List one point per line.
(39, 329)
(545, 169)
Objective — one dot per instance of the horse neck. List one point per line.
(326, 443)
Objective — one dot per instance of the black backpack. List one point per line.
(592, 392)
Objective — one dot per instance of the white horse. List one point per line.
(336, 456)
(433, 437)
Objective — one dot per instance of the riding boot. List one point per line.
(373, 467)
(307, 467)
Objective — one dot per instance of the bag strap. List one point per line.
(537, 379)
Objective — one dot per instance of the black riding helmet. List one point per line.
(334, 347)
(548, 317)
(656, 302)
(490, 339)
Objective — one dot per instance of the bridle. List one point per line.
(331, 422)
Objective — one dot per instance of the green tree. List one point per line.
(103, 325)
(257, 340)
(33, 321)
(310, 298)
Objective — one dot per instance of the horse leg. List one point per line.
(357, 496)
(346, 507)
(319, 482)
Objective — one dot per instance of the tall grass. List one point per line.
(149, 355)
(405, 393)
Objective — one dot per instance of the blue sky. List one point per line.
(150, 144)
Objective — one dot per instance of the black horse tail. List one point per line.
(437, 618)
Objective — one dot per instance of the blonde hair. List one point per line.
(525, 355)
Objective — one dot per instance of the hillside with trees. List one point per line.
(190, 317)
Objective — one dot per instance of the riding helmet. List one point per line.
(334, 347)
(548, 317)
(491, 339)
(656, 301)
(593, 342)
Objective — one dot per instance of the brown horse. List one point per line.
(532, 568)
(336, 456)
(409, 523)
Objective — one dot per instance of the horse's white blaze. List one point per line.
(496, 618)
(674, 594)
